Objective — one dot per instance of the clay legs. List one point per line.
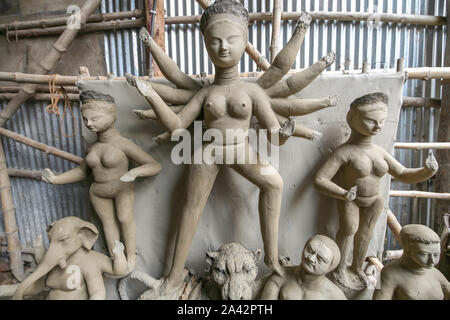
(200, 181)
(271, 189)
(124, 202)
(368, 219)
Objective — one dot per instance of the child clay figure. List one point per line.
(70, 270)
(413, 276)
(308, 281)
(112, 189)
(228, 105)
(357, 167)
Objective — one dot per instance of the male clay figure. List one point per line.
(413, 276)
(308, 281)
(352, 175)
(112, 191)
(228, 105)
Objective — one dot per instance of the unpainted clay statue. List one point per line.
(70, 270)
(413, 276)
(228, 105)
(308, 280)
(112, 191)
(352, 175)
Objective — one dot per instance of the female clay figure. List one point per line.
(112, 191)
(358, 167)
(308, 281)
(228, 105)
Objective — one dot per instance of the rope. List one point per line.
(53, 106)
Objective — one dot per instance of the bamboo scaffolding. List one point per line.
(38, 145)
(61, 21)
(421, 102)
(422, 145)
(19, 173)
(260, 60)
(392, 255)
(393, 224)
(377, 263)
(89, 27)
(41, 89)
(40, 96)
(326, 15)
(419, 194)
(276, 25)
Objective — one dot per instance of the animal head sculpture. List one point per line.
(233, 268)
(67, 236)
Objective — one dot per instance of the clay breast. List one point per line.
(236, 105)
(366, 165)
(109, 157)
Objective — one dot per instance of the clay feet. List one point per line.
(349, 279)
(303, 22)
(330, 58)
(287, 128)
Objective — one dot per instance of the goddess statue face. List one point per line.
(423, 254)
(98, 115)
(369, 119)
(316, 258)
(225, 41)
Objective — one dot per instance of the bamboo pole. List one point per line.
(421, 102)
(19, 173)
(377, 263)
(393, 224)
(422, 145)
(327, 15)
(419, 194)
(155, 26)
(276, 25)
(256, 56)
(61, 21)
(89, 27)
(392, 255)
(38, 145)
(40, 96)
(41, 89)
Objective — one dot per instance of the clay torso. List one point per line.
(107, 161)
(364, 167)
(228, 107)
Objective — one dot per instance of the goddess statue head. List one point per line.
(98, 110)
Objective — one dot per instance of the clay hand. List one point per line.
(332, 101)
(351, 194)
(431, 163)
(118, 249)
(330, 58)
(140, 114)
(145, 36)
(287, 128)
(303, 22)
(128, 177)
(316, 135)
(48, 176)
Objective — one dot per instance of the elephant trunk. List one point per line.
(48, 263)
(236, 288)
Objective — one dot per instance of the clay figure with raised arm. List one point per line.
(308, 280)
(112, 192)
(228, 105)
(352, 175)
(413, 276)
(70, 270)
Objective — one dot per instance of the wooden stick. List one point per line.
(61, 21)
(256, 56)
(377, 263)
(89, 27)
(276, 25)
(419, 194)
(422, 145)
(327, 15)
(43, 147)
(421, 102)
(392, 255)
(19, 173)
(42, 89)
(393, 224)
(40, 96)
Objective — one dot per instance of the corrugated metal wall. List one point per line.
(354, 42)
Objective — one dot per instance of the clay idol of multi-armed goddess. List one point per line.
(228, 105)
(112, 191)
(358, 167)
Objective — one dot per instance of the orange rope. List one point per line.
(53, 106)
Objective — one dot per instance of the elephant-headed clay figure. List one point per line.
(308, 280)
(112, 191)
(352, 175)
(413, 276)
(70, 270)
(228, 105)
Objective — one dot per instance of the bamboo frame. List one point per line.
(421, 102)
(393, 224)
(276, 25)
(422, 145)
(392, 255)
(19, 173)
(41, 96)
(419, 194)
(41, 89)
(38, 145)
(377, 263)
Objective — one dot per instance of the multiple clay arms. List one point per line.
(111, 193)
(70, 270)
(276, 89)
(358, 167)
